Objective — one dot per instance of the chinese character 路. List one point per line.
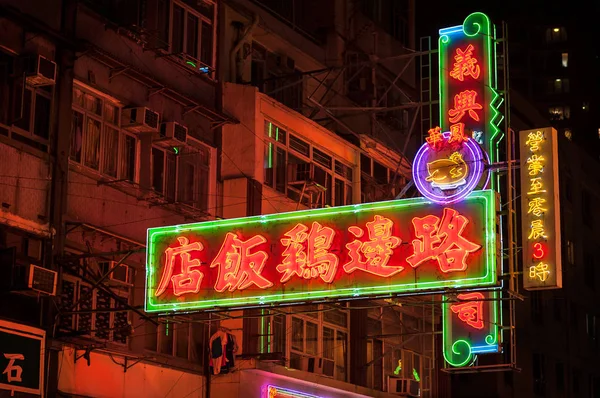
(188, 280)
(442, 241)
(312, 262)
(238, 266)
(377, 251)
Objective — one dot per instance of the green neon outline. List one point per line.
(491, 339)
(488, 279)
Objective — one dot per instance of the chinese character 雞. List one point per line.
(465, 64)
(238, 267)
(535, 206)
(534, 140)
(539, 271)
(470, 312)
(465, 101)
(312, 262)
(188, 280)
(535, 165)
(13, 372)
(442, 241)
(376, 251)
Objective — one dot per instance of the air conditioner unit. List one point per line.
(172, 134)
(121, 273)
(317, 365)
(42, 280)
(286, 63)
(403, 387)
(40, 71)
(140, 120)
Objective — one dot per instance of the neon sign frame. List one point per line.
(481, 202)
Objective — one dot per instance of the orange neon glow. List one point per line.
(377, 251)
(316, 261)
(470, 312)
(457, 134)
(535, 206)
(536, 186)
(535, 164)
(534, 140)
(539, 251)
(465, 65)
(465, 101)
(435, 138)
(238, 267)
(188, 281)
(537, 230)
(442, 241)
(539, 271)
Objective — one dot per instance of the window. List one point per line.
(539, 376)
(591, 327)
(97, 142)
(558, 86)
(185, 339)
(570, 252)
(559, 112)
(391, 15)
(556, 35)
(192, 30)
(303, 172)
(586, 208)
(377, 181)
(589, 273)
(560, 376)
(32, 120)
(565, 60)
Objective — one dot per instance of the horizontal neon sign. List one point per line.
(364, 250)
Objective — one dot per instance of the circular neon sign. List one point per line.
(447, 169)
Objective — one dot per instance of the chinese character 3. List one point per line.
(12, 371)
(465, 101)
(377, 251)
(312, 262)
(188, 280)
(442, 241)
(238, 266)
(470, 312)
(465, 64)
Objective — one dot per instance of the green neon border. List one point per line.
(476, 23)
(492, 343)
(489, 279)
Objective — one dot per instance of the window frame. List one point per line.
(30, 134)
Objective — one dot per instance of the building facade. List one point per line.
(124, 115)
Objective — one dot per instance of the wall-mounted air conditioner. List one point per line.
(172, 134)
(39, 71)
(317, 365)
(140, 120)
(41, 280)
(121, 273)
(403, 387)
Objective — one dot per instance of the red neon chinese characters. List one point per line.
(188, 280)
(465, 64)
(314, 260)
(465, 101)
(442, 241)
(457, 134)
(470, 312)
(238, 267)
(435, 139)
(376, 251)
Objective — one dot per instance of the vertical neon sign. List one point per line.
(539, 201)
(468, 99)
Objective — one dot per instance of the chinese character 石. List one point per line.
(536, 186)
(12, 371)
(470, 312)
(539, 271)
(315, 261)
(535, 206)
(465, 101)
(435, 138)
(188, 280)
(238, 267)
(537, 230)
(442, 241)
(457, 134)
(377, 251)
(535, 165)
(534, 140)
(465, 64)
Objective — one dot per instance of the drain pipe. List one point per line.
(246, 33)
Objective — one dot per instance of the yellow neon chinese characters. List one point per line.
(537, 230)
(536, 186)
(534, 140)
(535, 165)
(539, 271)
(535, 206)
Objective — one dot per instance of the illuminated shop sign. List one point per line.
(470, 326)
(271, 391)
(467, 70)
(365, 250)
(539, 204)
